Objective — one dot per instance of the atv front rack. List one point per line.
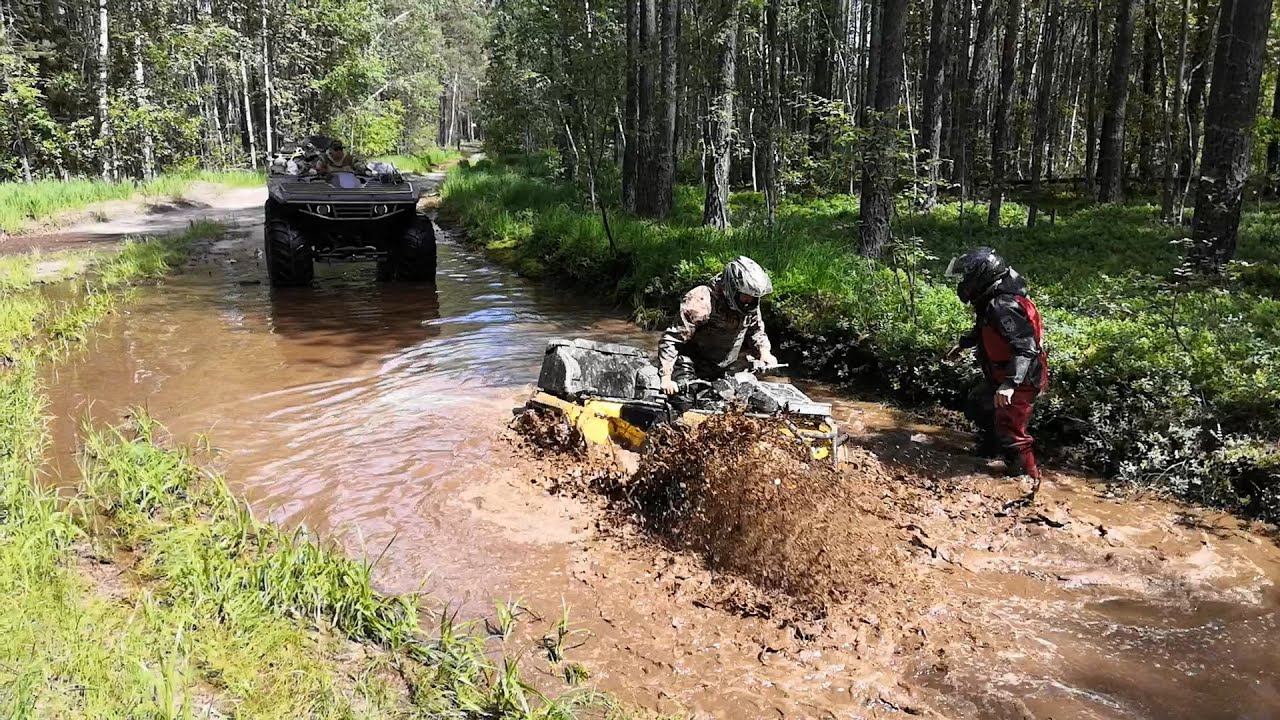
(351, 253)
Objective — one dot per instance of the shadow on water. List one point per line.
(371, 321)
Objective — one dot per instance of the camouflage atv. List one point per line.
(368, 213)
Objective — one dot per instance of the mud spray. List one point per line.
(825, 551)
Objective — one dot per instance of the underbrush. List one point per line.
(1168, 386)
(24, 204)
(150, 591)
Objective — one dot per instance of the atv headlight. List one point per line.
(380, 210)
(324, 210)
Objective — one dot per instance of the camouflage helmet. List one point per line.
(744, 276)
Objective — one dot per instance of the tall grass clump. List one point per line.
(201, 551)
(1158, 384)
(25, 204)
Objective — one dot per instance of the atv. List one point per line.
(613, 395)
(367, 213)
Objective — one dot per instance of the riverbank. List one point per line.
(1163, 386)
(29, 207)
(148, 588)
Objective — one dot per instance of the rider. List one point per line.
(716, 321)
(1008, 335)
(336, 159)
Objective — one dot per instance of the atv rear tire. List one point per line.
(415, 258)
(289, 259)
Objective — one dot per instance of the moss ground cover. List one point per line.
(1156, 383)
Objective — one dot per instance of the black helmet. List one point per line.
(980, 270)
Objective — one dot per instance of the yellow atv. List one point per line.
(612, 394)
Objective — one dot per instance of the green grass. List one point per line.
(1175, 387)
(422, 162)
(153, 592)
(24, 205)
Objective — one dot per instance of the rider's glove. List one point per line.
(669, 386)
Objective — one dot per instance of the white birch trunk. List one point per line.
(248, 113)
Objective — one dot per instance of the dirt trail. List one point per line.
(376, 414)
(108, 222)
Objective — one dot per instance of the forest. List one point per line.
(128, 89)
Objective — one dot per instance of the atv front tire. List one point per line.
(415, 258)
(289, 259)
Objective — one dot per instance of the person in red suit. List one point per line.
(1008, 335)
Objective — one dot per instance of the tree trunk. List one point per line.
(648, 171)
(248, 113)
(828, 18)
(1273, 147)
(715, 209)
(1044, 97)
(966, 103)
(442, 126)
(1229, 119)
(1091, 121)
(453, 109)
(630, 125)
(878, 173)
(1201, 59)
(1111, 156)
(773, 123)
(1173, 127)
(874, 56)
(268, 90)
(104, 116)
(1025, 84)
(670, 102)
(142, 97)
(24, 156)
(1004, 110)
(1147, 108)
(934, 88)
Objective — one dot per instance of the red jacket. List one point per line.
(1009, 335)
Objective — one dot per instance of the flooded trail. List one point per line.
(374, 414)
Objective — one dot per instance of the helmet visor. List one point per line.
(955, 268)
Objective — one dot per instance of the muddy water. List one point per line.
(372, 414)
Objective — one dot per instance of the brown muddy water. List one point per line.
(374, 414)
